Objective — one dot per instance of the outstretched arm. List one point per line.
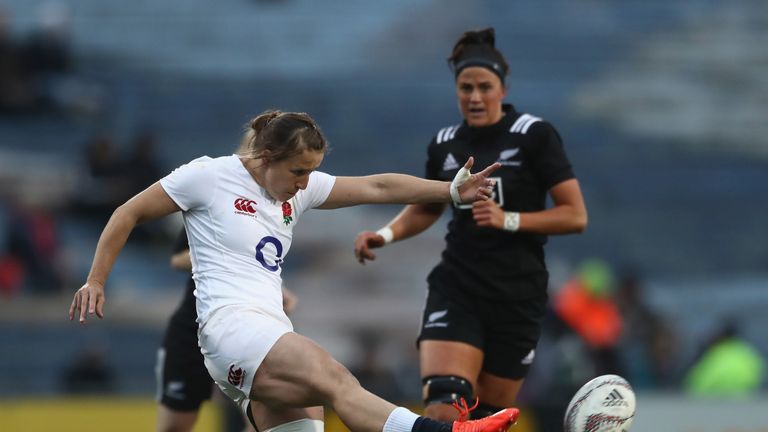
(152, 203)
(405, 189)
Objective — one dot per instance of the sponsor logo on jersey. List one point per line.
(246, 207)
(450, 164)
(505, 157)
(236, 376)
(432, 319)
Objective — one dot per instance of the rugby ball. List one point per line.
(604, 404)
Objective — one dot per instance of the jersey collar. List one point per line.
(510, 115)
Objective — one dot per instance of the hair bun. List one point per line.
(485, 36)
(261, 121)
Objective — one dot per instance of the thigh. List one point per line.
(513, 329)
(235, 341)
(452, 337)
(451, 359)
(451, 318)
(498, 391)
(297, 373)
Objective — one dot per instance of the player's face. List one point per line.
(480, 94)
(286, 177)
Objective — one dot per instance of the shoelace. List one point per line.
(464, 409)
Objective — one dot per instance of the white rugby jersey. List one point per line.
(238, 235)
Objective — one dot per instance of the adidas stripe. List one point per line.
(522, 124)
(447, 134)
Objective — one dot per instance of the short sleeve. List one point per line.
(320, 185)
(192, 185)
(549, 158)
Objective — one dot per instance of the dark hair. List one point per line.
(478, 48)
(283, 134)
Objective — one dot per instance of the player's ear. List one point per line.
(265, 156)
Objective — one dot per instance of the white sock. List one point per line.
(400, 420)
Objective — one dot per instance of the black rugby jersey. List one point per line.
(492, 262)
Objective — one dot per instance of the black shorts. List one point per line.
(506, 331)
(183, 383)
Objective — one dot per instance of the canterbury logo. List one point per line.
(614, 398)
(235, 376)
(245, 205)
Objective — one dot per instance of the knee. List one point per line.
(446, 389)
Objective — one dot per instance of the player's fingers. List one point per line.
(83, 305)
(100, 307)
(489, 169)
(93, 298)
(470, 162)
(481, 205)
(369, 255)
(73, 306)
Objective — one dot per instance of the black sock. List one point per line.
(424, 424)
(483, 410)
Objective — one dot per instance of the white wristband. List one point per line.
(511, 221)
(461, 177)
(387, 233)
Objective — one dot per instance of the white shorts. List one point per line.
(234, 341)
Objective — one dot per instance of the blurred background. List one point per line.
(662, 105)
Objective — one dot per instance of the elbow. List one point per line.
(580, 223)
(124, 216)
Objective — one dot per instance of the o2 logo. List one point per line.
(269, 240)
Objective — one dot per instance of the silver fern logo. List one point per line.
(506, 155)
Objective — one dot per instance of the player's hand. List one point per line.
(488, 214)
(89, 300)
(364, 242)
(473, 187)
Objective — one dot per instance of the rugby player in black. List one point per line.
(487, 296)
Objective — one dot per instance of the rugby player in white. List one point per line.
(239, 212)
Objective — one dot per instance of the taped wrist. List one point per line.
(387, 234)
(461, 177)
(446, 389)
(511, 221)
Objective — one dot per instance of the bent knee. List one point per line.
(446, 389)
